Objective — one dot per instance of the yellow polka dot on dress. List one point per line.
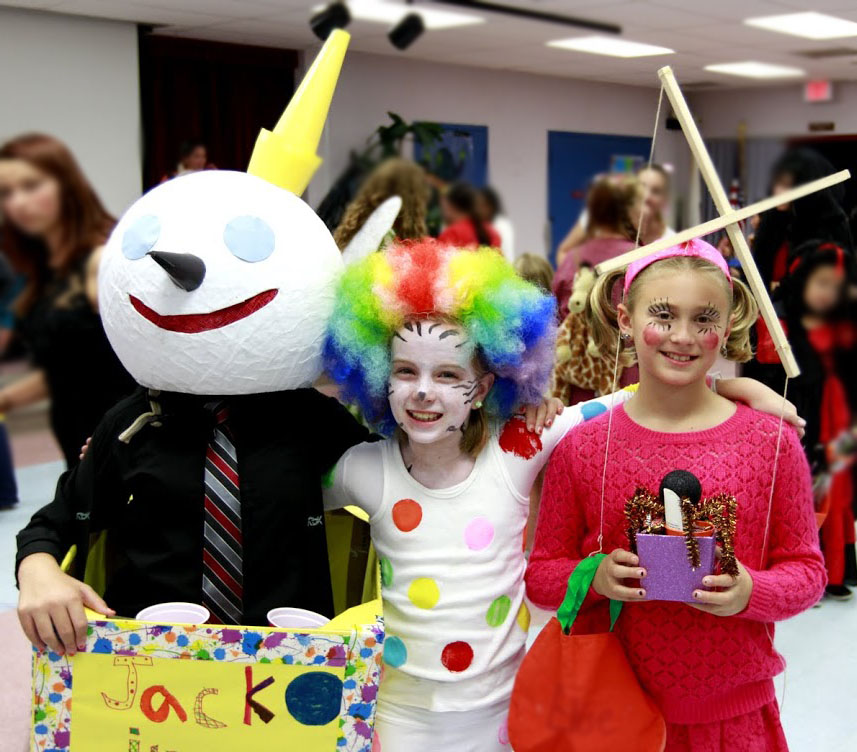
(424, 592)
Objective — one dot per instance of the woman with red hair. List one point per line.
(54, 227)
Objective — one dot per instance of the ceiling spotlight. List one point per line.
(405, 33)
(334, 16)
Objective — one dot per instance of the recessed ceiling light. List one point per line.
(751, 69)
(810, 25)
(386, 12)
(613, 46)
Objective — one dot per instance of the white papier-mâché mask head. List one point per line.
(219, 283)
(222, 282)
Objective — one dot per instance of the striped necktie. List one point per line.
(222, 576)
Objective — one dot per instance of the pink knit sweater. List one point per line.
(699, 668)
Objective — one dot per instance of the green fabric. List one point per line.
(328, 478)
(578, 586)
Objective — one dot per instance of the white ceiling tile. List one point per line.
(826, 6)
(701, 31)
(32, 4)
(734, 34)
(224, 8)
(646, 16)
(136, 12)
(730, 10)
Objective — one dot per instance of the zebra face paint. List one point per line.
(434, 382)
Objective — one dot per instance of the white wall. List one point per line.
(518, 108)
(775, 111)
(78, 79)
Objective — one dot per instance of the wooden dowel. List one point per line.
(728, 220)
(718, 223)
(721, 201)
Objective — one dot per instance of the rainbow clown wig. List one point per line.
(511, 321)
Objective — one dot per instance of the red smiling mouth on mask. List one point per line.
(192, 323)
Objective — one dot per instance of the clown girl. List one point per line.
(438, 346)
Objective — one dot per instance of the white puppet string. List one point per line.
(764, 556)
(645, 207)
(607, 447)
(613, 383)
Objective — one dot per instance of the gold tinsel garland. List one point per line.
(644, 514)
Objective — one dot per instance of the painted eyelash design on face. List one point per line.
(660, 310)
(712, 315)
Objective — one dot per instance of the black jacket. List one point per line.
(148, 493)
(818, 216)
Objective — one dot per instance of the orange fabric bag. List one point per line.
(578, 693)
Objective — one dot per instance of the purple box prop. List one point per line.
(670, 576)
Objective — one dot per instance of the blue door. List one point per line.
(573, 160)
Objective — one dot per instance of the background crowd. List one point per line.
(54, 227)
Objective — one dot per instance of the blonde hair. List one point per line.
(535, 269)
(393, 177)
(603, 315)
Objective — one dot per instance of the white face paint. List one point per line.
(433, 383)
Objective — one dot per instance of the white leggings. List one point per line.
(403, 728)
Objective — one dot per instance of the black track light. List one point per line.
(406, 32)
(334, 16)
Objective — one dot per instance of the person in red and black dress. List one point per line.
(811, 303)
(464, 226)
(819, 216)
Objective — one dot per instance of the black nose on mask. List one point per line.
(184, 269)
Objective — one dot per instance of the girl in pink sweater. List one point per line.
(708, 665)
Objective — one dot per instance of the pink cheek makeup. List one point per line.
(653, 337)
(711, 340)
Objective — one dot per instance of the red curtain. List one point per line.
(221, 94)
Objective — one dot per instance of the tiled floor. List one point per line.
(819, 710)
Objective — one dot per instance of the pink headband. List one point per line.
(696, 247)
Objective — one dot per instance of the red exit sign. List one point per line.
(820, 90)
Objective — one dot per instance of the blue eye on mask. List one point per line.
(249, 238)
(141, 237)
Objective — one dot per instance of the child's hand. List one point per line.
(85, 448)
(615, 568)
(731, 599)
(761, 398)
(50, 606)
(542, 416)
